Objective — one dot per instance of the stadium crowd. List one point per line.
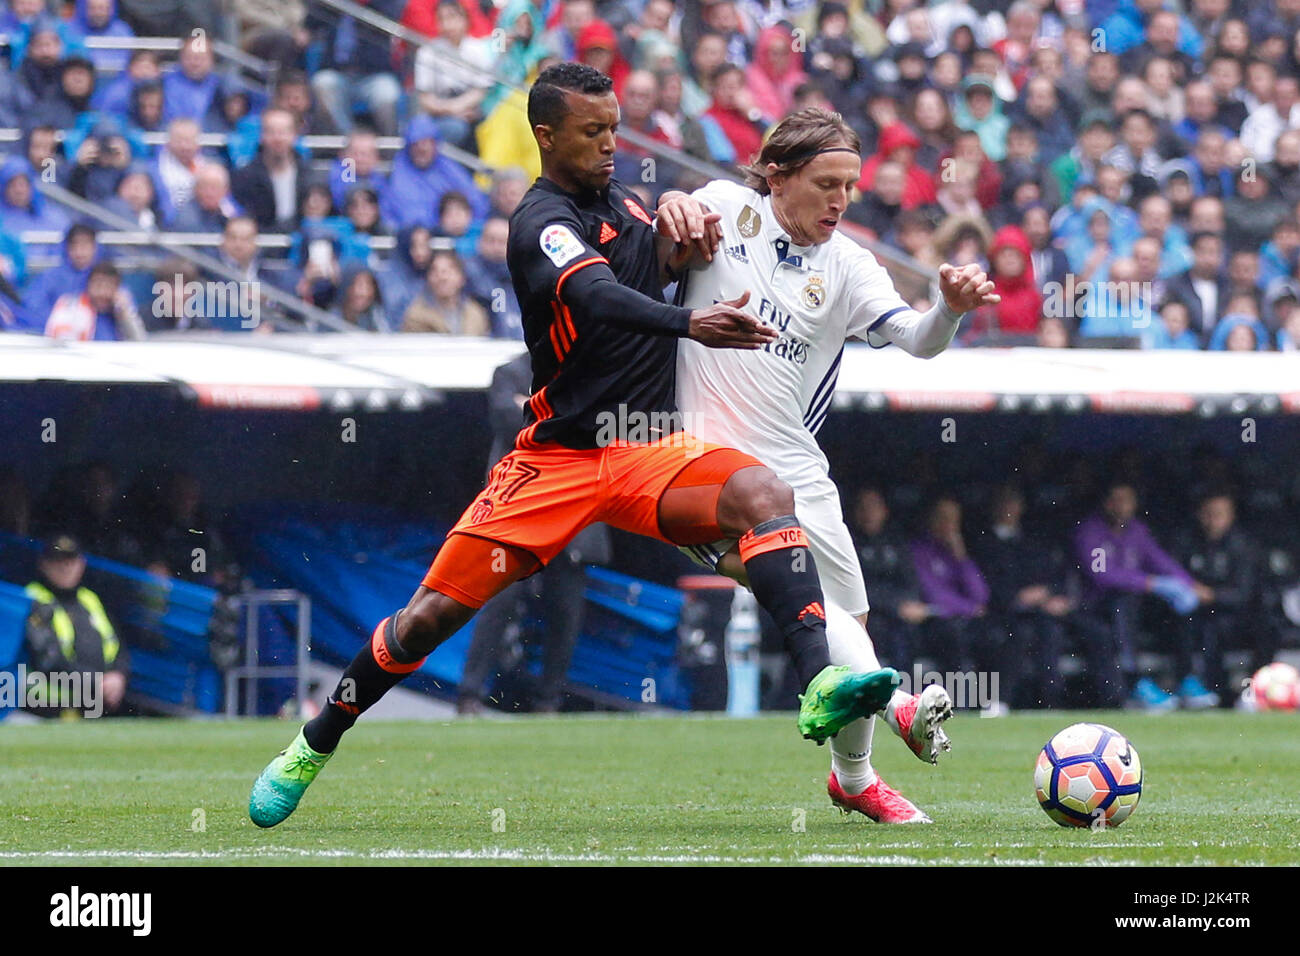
(1128, 171)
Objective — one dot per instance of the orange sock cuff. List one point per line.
(384, 657)
(752, 545)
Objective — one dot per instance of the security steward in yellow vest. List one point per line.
(68, 629)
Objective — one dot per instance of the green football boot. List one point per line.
(281, 785)
(837, 696)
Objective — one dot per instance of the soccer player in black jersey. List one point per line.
(600, 442)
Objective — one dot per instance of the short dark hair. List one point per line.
(722, 69)
(1122, 480)
(105, 269)
(1138, 111)
(547, 105)
(80, 229)
(1203, 234)
(289, 77)
(78, 63)
(234, 220)
(451, 256)
(1211, 492)
(452, 197)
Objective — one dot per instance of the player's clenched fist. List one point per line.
(966, 288)
(724, 326)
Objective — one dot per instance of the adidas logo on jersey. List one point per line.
(607, 233)
(738, 253)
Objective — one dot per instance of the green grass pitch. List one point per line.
(1220, 788)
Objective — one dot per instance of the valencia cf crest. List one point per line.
(635, 209)
(482, 511)
(814, 293)
(749, 222)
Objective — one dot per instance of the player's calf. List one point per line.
(759, 508)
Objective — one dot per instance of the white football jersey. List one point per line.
(771, 402)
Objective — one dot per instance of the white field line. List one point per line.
(515, 856)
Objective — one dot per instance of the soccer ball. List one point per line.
(1276, 687)
(1088, 775)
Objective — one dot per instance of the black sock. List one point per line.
(783, 577)
(363, 683)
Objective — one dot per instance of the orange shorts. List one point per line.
(537, 500)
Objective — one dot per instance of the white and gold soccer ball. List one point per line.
(1088, 775)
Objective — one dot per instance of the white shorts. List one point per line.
(817, 506)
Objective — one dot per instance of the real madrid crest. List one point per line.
(814, 293)
(749, 222)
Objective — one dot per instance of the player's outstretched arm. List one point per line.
(926, 334)
(724, 326)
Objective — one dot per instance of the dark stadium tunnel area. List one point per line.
(427, 464)
(420, 462)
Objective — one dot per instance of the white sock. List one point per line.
(851, 747)
(851, 756)
(900, 698)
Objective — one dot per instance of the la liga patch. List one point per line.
(560, 244)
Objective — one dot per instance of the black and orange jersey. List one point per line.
(603, 341)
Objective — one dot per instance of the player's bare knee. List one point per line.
(429, 619)
(754, 495)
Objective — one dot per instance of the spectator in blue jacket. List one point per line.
(22, 208)
(357, 165)
(488, 280)
(114, 95)
(80, 253)
(1240, 333)
(41, 146)
(98, 18)
(103, 312)
(190, 91)
(1173, 330)
(16, 19)
(421, 176)
(1126, 28)
(144, 112)
(36, 73)
(62, 106)
(1040, 109)
(407, 268)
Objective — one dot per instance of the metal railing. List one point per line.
(220, 49)
(309, 313)
(314, 143)
(253, 670)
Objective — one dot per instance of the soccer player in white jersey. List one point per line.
(775, 237)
